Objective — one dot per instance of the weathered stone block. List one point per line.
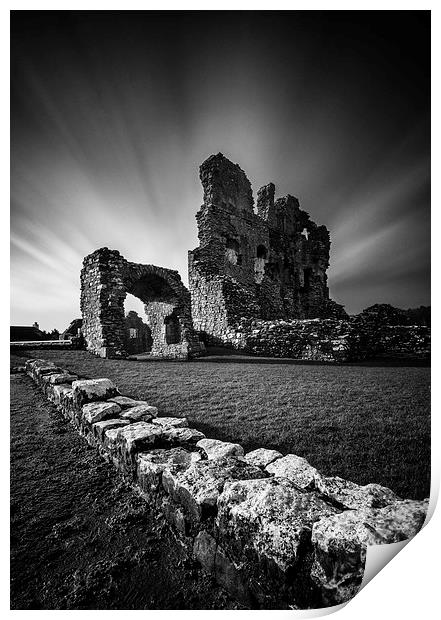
(176, 436)
(262, 457)
(294, 468)
(99, 428)
(62, 378)
(97, 411)
(29, 364)
(58, 391)
(134, 439)
(140, 413)
(151, 465)
(217, 449)
(33, 365)
(351, 495)
(269, 519)
(125, 402)
(41, 371)
(172, 422)
(198, 487)
(110, 438)
(340, 543)
(90, 390)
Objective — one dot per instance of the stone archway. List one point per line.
(106, 278)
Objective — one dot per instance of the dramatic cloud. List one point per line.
(113, 113)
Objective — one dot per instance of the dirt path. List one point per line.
(80, 537)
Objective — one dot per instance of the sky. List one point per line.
(113, 112)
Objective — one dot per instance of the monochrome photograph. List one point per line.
(220, 304)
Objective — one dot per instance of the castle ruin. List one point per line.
(266, 265)
(270, 265)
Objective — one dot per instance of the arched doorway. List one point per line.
(107, 278)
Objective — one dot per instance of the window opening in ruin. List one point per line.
(137, 333)
(307, 273)
(261, 251)
(259, 264)
(134, 303)
(172, 329)
(232, 251)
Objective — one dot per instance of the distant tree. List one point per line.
(54, 335)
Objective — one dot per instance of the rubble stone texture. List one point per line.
(152, 464)
(58, 391)
(140, 413)
(180, 435)
(272, 516)
(100, 428)
(198, 487)
(106, 278)
(269, 265)
(62, 378)
(91, 390)
(96, 412)
(137, 437)
(214, 448)
(172, 422)
(125, 402)
(262, 457)
(340, 544)
(294, 468)
(351, 495)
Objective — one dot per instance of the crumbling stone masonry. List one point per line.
(106, 278)
(138, 334)
(269, 265)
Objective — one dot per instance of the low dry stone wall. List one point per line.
(271, 529)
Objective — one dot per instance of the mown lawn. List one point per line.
(366, 424)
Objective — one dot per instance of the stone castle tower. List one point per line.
(269, 265)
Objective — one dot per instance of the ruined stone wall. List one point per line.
(269, 265)
(106, 278)
(271, 529)
(331, 340)
(314, 340)
(138, 334)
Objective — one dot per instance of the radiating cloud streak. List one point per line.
(113, 114)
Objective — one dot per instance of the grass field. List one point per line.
(366, 424)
